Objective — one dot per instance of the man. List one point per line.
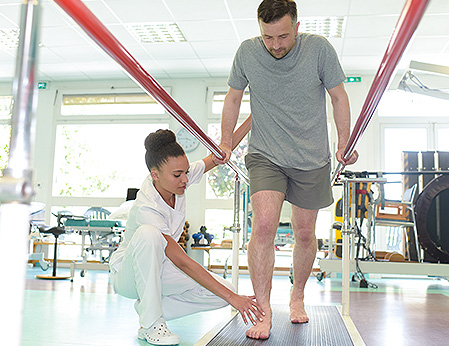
(288, 75)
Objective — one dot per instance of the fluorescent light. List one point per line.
(324, 26)
(9, 38)
(156, 32)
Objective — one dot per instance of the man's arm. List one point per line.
(342, 118)
(230, 115)
(237, 137)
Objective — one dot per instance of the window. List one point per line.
(5, 107)
(397, 140)
(220, 180)
(100, 160)
(99, 145)
(109, 104)
(218, 98)
(5, 129)
(410, 122)
(5, 135)
(217, 219)
(398, 103)
(443, 138)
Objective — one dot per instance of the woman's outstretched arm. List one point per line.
(247, 306)
(237, 137)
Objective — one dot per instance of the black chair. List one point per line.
(56, 231)
(131, 194)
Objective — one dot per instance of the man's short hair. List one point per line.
(270, 11)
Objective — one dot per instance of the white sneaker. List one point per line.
(158, 334)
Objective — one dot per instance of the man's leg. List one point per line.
(304, 253)
(266, 207)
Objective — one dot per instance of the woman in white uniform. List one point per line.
(150, 266)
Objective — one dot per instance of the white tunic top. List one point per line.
(150, 209)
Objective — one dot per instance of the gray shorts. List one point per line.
(305, 189)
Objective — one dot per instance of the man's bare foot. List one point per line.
(298, 312)
(262, 329)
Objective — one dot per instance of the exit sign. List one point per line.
(42, 85)
(353, 79)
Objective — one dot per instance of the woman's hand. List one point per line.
(248, 308)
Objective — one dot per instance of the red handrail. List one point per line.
(405, 27)
(104, 38)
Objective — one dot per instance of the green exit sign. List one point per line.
(42, 85)
(353, 79)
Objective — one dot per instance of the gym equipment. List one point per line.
(432, 218)
(202, 238)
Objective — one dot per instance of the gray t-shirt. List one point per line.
(288, 100)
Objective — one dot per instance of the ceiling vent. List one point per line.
(156, 32)
(324, 26)
(9, 38)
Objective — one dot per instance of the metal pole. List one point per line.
(246, 217)
(345, 231)
(16, 189)
(348, 234)
(236, 234)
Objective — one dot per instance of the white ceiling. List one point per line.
(214, 29)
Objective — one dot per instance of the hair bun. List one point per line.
(159, 139)
(160, 146)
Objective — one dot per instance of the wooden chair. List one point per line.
(394, 214)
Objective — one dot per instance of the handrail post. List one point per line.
(236, 234)
(345, 232)
(16, 189)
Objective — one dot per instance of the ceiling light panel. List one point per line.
(9, 38)
(324, 26)
(156, 32)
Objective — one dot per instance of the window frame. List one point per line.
(105, 118)
(397, 125)
(430, 123)
(211, 91)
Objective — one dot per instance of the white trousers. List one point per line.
(161, 289)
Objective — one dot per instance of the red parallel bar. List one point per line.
(103, 37)
(405, 27)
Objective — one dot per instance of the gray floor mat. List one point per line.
(326, 327)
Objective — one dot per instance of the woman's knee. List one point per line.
(123, 285)
(224, 282)
(149, 236)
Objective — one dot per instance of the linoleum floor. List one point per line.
(401, 311)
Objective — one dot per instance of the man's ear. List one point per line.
(154, 175)
(297, 28)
